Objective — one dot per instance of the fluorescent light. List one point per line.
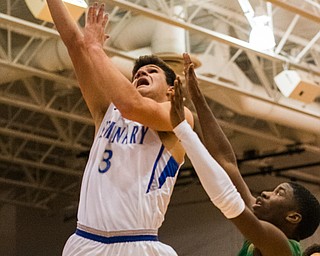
(261, 36)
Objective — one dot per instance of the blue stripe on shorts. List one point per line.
(115, 239)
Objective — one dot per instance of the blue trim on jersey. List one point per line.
(154, 167)
(116, 239)
(169, 171)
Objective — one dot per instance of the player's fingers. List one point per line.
(100, 15)
(94, 12)
(175, 95)
(178, 89)
(105, 19)
(90, 14)
(171, 94)
(191, 69)
(185, 66)
(187, 59)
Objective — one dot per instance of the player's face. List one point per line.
(150, 81)
(274, 206)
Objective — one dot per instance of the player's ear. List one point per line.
(294, 217)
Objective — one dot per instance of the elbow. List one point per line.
(130, 109)
(127, 111)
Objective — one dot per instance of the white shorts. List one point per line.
(80, 246)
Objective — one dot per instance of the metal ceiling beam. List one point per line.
(271, 170)
(54, 195)
(219, 12)
(254, 132)
(42, 166)
(34, 186)
(48, 111)
(287, 34)
(216, 83)
(304, 51)
(40, 73)
(41, 139)
(256, 156)
(284, 4)
(24, 204)
(26, 27)
(234, 42)
(34, 30)
(62, 131)
(301, 176)
(261, 74)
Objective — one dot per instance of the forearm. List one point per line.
(213, 178)
(214, 138)
(218, 144)
(94, 93)
(113, 81)
(66, 26)
(124, 95)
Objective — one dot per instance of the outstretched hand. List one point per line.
(94, 31)
(190, 76)
(177, 107)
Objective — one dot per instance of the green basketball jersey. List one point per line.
(247, 248)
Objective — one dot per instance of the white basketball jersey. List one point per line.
(128, 179)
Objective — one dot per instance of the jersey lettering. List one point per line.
(123, 134)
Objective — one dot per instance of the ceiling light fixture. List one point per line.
(261, 35)
(40, 10)
(298, 85)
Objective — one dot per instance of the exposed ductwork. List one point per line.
(252, 100)
(138, 35)
(141, 35)
(8, 74)
(52, 56)
(140, 31)
(265, 109)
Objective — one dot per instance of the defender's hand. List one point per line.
(190, 76)
(177, 107)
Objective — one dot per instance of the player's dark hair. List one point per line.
(311, 249)
(152, 59)
(309, 208)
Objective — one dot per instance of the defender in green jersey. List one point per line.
(274, 222)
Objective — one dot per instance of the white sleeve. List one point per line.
(213, 178)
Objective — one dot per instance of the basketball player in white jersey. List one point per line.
(134, 158)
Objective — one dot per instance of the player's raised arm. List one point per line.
(266, 237)
(77, 41)
(215, 140)
(100, 80)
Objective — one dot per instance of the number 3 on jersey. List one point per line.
(105, 163)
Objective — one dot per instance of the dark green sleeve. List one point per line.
(295, 248)
(247, 248)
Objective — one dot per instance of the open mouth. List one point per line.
(142, 81)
